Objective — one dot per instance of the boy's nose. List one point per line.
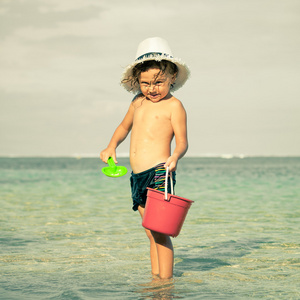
(152, 87)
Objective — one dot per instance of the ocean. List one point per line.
(68, 232)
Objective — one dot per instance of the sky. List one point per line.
(61, 63)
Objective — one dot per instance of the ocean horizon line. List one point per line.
(125, 155)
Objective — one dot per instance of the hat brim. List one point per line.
(182, 75)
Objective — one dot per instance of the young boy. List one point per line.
(154, 117)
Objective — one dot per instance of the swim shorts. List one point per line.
(153, 178)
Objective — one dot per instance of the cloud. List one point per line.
(32, 16)
(66, 6)
(86, 28)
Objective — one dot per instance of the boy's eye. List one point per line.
(148, 84)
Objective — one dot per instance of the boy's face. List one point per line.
(156, 87)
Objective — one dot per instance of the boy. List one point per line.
(154, 117)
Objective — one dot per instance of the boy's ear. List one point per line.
(174, 77)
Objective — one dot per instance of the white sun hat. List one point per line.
(157, 49)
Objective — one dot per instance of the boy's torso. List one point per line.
(151, 134)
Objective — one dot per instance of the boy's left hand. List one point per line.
(171, 163)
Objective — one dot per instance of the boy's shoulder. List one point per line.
(138, 97)
(175, 102)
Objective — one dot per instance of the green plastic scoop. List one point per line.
(112, 170)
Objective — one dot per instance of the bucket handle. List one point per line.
(166, 184)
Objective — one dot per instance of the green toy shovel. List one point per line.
(112, 170)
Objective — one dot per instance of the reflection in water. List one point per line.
(158, 289)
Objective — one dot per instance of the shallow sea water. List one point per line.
(68, 232)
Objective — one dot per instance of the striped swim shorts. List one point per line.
(153, 178)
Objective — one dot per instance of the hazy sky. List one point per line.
(61, 61)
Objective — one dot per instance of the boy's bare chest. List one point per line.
(152, 112)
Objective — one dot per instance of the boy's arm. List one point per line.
(119, 136)
(179, 124)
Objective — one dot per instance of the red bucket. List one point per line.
(165, 213)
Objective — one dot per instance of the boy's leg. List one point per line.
(165, 254)
(153, 249)
(161, 252)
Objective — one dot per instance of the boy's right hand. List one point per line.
(107, 153)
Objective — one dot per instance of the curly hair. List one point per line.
(163, 65)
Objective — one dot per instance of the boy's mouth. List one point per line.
(153, 95)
